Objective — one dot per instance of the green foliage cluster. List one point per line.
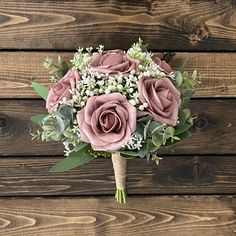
(58, 70)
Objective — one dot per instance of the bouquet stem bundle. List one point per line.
(119, 166)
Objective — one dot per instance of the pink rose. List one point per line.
(164, 66)
(62, 90)
(107, 122)
(113, 62)
(162, 97)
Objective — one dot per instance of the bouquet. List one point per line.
(115, 104)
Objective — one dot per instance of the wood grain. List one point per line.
(165, 25)
(30, 176)
(142, 216)
(214, 131)
(19, 69)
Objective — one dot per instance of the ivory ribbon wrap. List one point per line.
(119, 166)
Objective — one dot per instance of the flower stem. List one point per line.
(119, 165)
(121, 196)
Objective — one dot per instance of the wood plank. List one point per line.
(30, 176)
(214, 130)
(19, 69)
(141, 216)
(172, 25)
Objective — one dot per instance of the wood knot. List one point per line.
(198, 167)
(195, 170)
(200, 33)
(3, 121)
(200, 123)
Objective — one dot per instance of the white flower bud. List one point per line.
(141, 107)
(131, 90)
(132, 101)
(119, 86)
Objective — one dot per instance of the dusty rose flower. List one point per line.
(62, 89)
(113, 62)
(164, 66)
(107, 122)
(162, 97)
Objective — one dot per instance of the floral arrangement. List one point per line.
(115, 104)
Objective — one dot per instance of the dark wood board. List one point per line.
(30, 176)
(142, 216)
(164, 25)
(214, 131)
(19, 69)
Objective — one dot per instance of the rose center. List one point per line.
(113, 59)
(109, 121)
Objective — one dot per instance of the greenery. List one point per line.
(75, 159)
(58, 70)
(41, 90)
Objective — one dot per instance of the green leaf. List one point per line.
(181, 136)
(184, 115)
(187, 95)
(75, 159)
(47, 62)
(194, 74)
(139, 153)
(184, 64)
(81, 145)
(146, 129)
(129, 154)
(178, 79)
(170, 131)
(145, 119)
(157, 139)
(152, 147)
(37, 118)
(41, 90)
(181, 127)
(154, 126)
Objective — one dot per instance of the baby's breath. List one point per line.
(135, 142)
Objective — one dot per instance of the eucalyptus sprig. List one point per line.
(58, 70)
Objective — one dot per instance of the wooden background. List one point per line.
(191, 193)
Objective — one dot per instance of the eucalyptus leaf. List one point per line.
(38, 118)
(184, 64)
(139, 153)
(152, 147)
(140, 128)
(184, 115)
(182, 127)
(146, 129)
(170, 131)
(129, 154)
(178, 79)
(154, 126)
(41, 90)
(145, 119)
(181, 136)
(157, 139)
(194, 74)
(187, 95)
(75, 159)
